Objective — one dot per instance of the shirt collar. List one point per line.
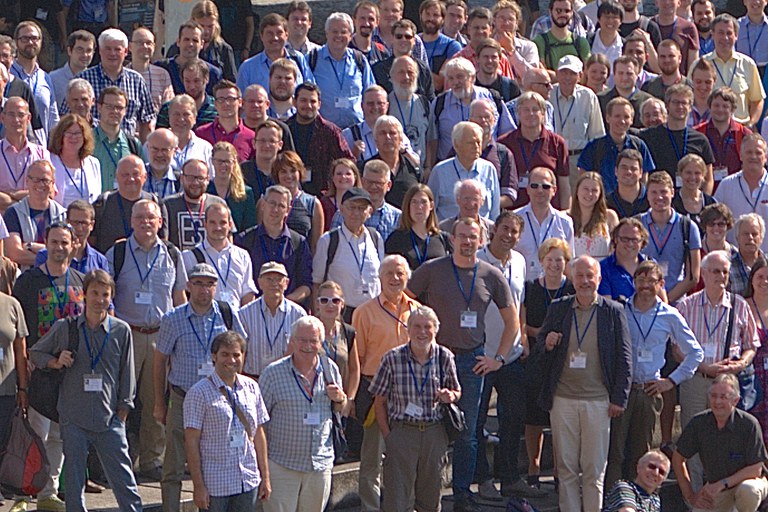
(282, 307)
(575, 303)
(191, 311)
(285, 233)
(104, 324)
(345, 230)
(404, 299)
(169, 174)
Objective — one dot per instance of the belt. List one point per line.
(641, 385)
(572, 152)
(176, 389)
(145, 330)
(421, 425)
(462, 351)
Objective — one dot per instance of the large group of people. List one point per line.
(234, 256)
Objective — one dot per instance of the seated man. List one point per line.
(730, 444)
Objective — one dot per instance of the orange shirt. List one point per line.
(378, 329)
(505, 68)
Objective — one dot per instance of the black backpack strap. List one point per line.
(356, 132)
(333, 246)
(73, 339)
(359, 60)
(173, 251)
(199, 256)
(118, 256)
(439, 107)
(729, 333)
(298, 250)
(503, 157)
(133, 144)
(312, 57)
(226, 314)
(547, 50)
(374, 235)
(686, 229)
(506, 91)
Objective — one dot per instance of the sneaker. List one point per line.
(20, 505)
(466, 504)
(521, 489)
(488, 491)
(51, 503)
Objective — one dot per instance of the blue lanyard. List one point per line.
(271, 340)
(95, 360)
(752, 204)
(753, 49)
(414, 243)
(81, 188)
(720, 149)
(151, 185)
(525, 156)
(717, 68)
(547, 297)
(8, 165)
(232, 401)
(109, 153)
(343, 72)
(138, 269)
(28, 80)
(706, 46)
(710, 332)
(395, 318)
(456, 168)
(402, 116)
(61, 298)
(360, 263)
(206, 346)
(665, 234)
(467, 298)
(560, 114)
(277, 255)
(222, 278)
(126, 224)
(533, 231)
(650, 328)
(580, 336)
(308, 393)
(674, 143)
(427, 367)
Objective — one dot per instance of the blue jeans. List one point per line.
(112, 448)
(243, 502)
(465, 447)
(509, 382)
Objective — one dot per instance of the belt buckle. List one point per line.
(422, 426)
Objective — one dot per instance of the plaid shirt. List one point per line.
(227, 470)
(140, 106)
(267, 335)
(738, 279)
(292, 443)
(703, 316)
(186, 337)
(384, 220)
(400, 376)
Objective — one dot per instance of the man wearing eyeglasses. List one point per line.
(162, 178)
(542, 220)
(729, 443)
(228, 127)
(268, 319)
(186, 209)
(190, 43)
(405, 36)
(651, 323)
(28, 219)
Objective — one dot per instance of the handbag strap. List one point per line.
(238, 411)
(729, 333)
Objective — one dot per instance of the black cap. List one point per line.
(356, 193)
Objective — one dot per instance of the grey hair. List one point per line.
(459, 64)
(307, 321)
(425, 312)
(391, 121)
(726, 378)
(483, 102)
(654, 101)
(279, 189)
(477, 185)
(585, 258)
(82, 84)
(715, 255)
(750, 217)
(340, 16)
(113, 35)
(395, 259)
(255, 87)
(164, 132)
(460, 129)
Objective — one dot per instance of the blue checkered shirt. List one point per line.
(186, 338)
(226, 470)
(140, 107)
(290, 442)
(384, 220)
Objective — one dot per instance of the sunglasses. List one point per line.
(325, 300)
(656, 467)
(545, 186)
(404, 36)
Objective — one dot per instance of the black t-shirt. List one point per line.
(624, 208)
(652, 28)
(507, 88)
(666, 153)
(232, 16)
(537, 300)
(400, 242)
(677, 204)
(408, 174)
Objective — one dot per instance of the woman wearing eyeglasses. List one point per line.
(78, 173)
(339, 341)
(554, 255)
(640, 495)
(306, 216)
(229, 185)
(715, 221)
(592, 221)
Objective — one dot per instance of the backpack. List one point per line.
(240, 241)
(24, 464)
(440, 105)
(357, 54)
(548, 45)
(134, 146)
(119, 255)
(333, 246)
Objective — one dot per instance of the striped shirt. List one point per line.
(402, 380)
(227, 470)
(292, 442)
(267, 335)
(186, 338)
(709, 322)
(234, 268)
(159, 82)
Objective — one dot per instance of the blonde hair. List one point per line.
(550, 244)
(236, 181)
(205, 9)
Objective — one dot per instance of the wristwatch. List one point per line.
(725, 484)
(500, 358)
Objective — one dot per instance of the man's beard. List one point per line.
(404, 92)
